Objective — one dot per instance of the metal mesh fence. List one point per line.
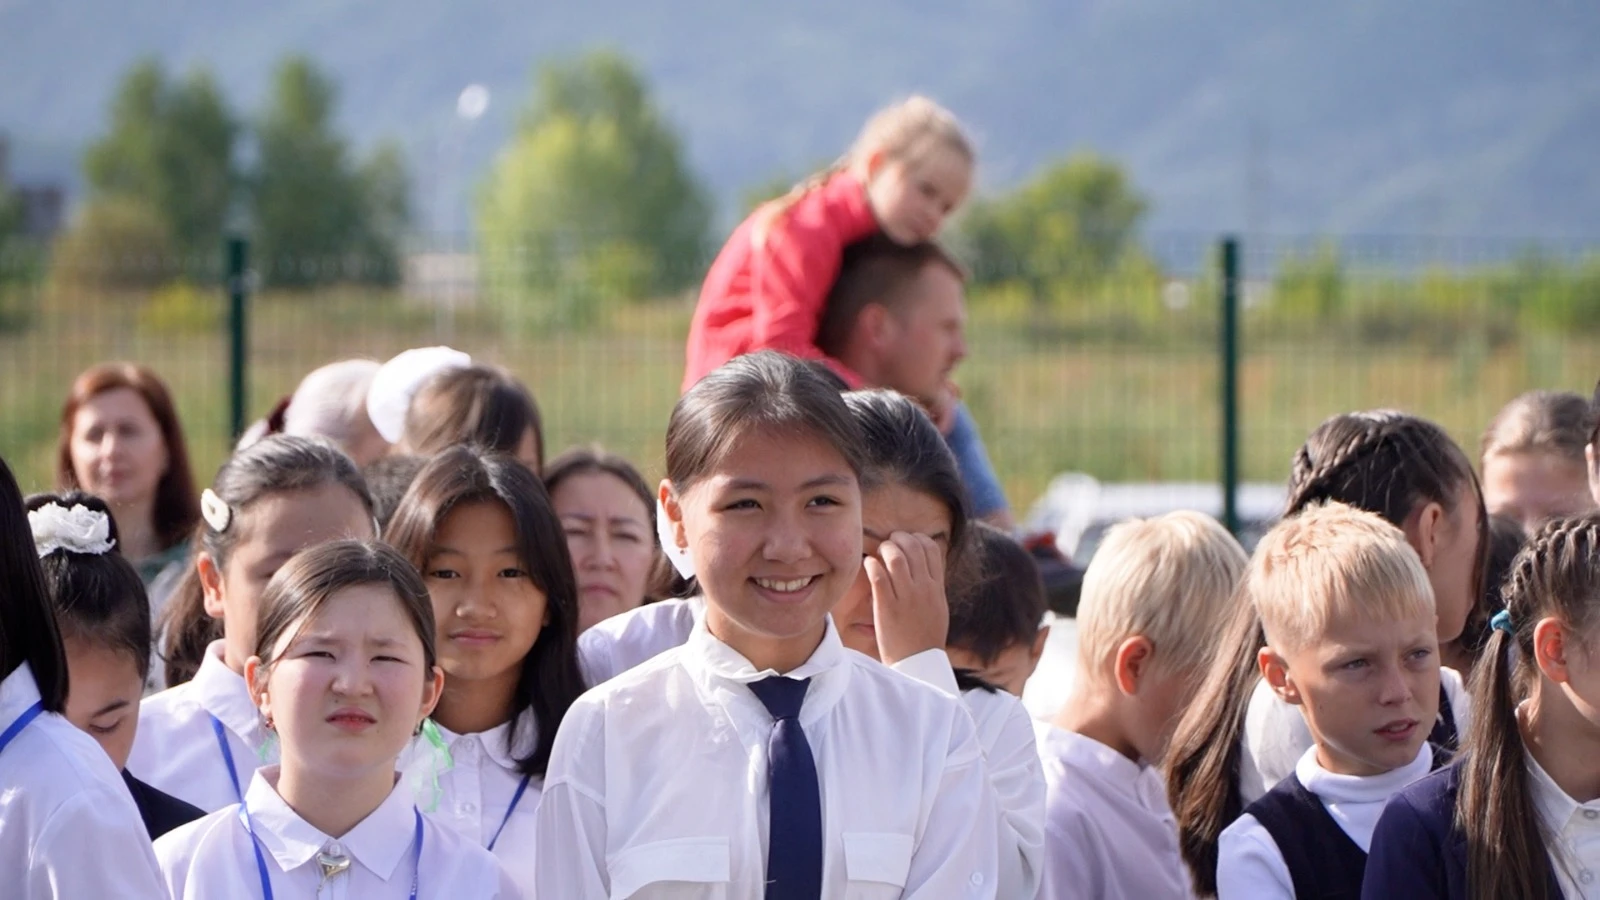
(1114, 374)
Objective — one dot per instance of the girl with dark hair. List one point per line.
(1533, 458)
(1238, 739)
(104, 618)
(343, 671)
(774, 714)
(201, 739)
(121, 441)
(480, 528)
(1515, 817)
(68, 827)
(918, 542)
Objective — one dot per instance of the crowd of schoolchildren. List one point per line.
(392, 651)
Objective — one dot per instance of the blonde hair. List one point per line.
(907, 130)
(1333, 562)
(1168, 579)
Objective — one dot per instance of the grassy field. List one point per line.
(1049, 396)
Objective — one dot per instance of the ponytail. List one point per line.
(1555, 575)
(1203, 760)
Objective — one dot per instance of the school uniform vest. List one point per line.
(1444, 734)
(1323, 861)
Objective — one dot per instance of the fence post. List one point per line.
(1229, 346)
(237, 289)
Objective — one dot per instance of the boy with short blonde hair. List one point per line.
(1154, 598)
(1352, 639)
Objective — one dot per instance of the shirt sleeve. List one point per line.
(953, 859)
(1017, 777)
(792, 274)
(1275, 737)
(1406, 859)
(93, 846)
(595, 659)
(931, 667)
(1249, 864)
(972, 460)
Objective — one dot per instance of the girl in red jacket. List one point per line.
(909, 169)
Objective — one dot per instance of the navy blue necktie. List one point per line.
(794, 835)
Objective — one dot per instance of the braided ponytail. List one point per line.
(1555, 575)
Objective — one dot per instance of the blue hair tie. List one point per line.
(1502, 622)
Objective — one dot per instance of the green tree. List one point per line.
(593, 200)
(170, 149)
(1070, 227)
(319, 218)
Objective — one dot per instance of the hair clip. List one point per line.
(1501, 621)
(217, 514)
(76, 530)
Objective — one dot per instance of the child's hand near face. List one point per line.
(908, 601)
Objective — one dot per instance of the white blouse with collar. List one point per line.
(614, 645)
(68, 826)
(176, 749)
(474, 793)
(1575, 834)
(657, 787)
(215, 857)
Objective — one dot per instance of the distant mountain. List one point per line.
(1472, 117)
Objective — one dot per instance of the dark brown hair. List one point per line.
(472, 405)
(28, 630)
(766, 391)
(1382, 461)
(904, 447)
(1007, 603)
(177, 504)
(1556, 575)
(549, 680)
(311, 577)
(97, 597)
(875, 270)
(388, 478)
(277, 464)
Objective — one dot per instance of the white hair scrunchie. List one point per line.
(76, 530)
(217, 514)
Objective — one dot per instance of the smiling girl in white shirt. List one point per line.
(68, 826)
(344, 673)
(199, 741)
(481, 529)
(762, 757)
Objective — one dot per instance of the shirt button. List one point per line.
(1586, 876)
(1591, 815)
(976, 879)
(469, 807)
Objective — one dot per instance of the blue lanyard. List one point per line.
(521, 788)
(33, 712)
(261, 861)
(227, 756)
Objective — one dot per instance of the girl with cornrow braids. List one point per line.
(1519, 814)
(1238, 739)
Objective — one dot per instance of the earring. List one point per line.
(268, 723)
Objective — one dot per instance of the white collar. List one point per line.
(1334, 788)
(494, 742)
(1140, 783)
(223, 693)
(720, 669)
(17, 693)
(1556, 807)
(377, 842)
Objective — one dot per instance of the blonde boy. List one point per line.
(1154, 598)
(1351, 634)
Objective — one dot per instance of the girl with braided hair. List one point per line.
(1238, 739)
(1519, 814)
